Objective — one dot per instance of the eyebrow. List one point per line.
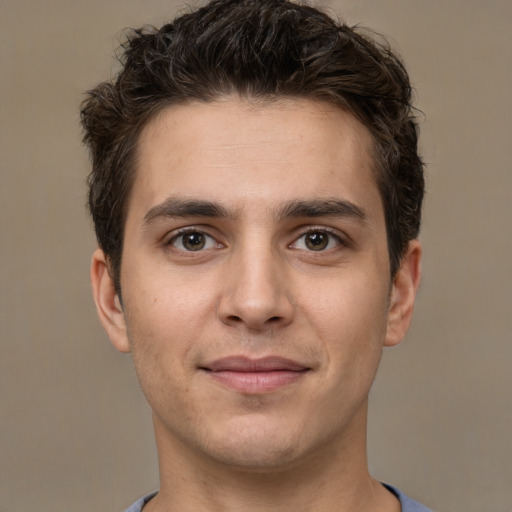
(180, 207)
(323, 208)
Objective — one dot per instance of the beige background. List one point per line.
(76, 434)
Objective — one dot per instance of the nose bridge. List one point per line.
(256, 292)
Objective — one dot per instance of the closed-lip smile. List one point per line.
(255, 375)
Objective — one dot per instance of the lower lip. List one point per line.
(257, 382)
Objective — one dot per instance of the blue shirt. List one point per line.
(407, 504)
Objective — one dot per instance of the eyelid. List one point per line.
(341, 238)
(177, 233)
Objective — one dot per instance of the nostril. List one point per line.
(255, 311)
(234, 319)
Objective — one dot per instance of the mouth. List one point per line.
(255, 376)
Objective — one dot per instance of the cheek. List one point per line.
(349, 319)
(348, 308)
(164, 320)
(160, 335)
(168, 307)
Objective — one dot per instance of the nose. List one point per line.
(256, 291)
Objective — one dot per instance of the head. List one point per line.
(255, 191)
(262, 50)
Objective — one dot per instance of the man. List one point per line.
(256, 194)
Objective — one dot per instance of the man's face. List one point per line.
(255, 279)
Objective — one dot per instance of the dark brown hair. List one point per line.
(259, 49)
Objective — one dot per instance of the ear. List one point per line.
(107, 302)
(403, 295)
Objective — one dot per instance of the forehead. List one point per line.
(245, 151)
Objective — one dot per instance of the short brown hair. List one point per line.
(258, 49)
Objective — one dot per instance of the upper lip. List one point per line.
(247, 364)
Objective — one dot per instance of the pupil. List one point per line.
(316, 241)
(193, 241)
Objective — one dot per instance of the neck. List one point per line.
(334, 478)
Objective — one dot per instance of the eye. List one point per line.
(192, 241)
(317, 240)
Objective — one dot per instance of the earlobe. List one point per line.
(108, 305)
(403, 295)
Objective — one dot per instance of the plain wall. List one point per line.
(75, 432)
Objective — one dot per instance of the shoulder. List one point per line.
(137, 506)
(408, 504)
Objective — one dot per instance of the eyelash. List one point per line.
(331, 235)
(179, 235)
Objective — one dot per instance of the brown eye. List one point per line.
(193, 241)
(189, 240)
(316, 241)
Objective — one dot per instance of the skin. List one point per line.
(258, 287)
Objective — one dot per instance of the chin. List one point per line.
(256, 457)
(257, 447)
